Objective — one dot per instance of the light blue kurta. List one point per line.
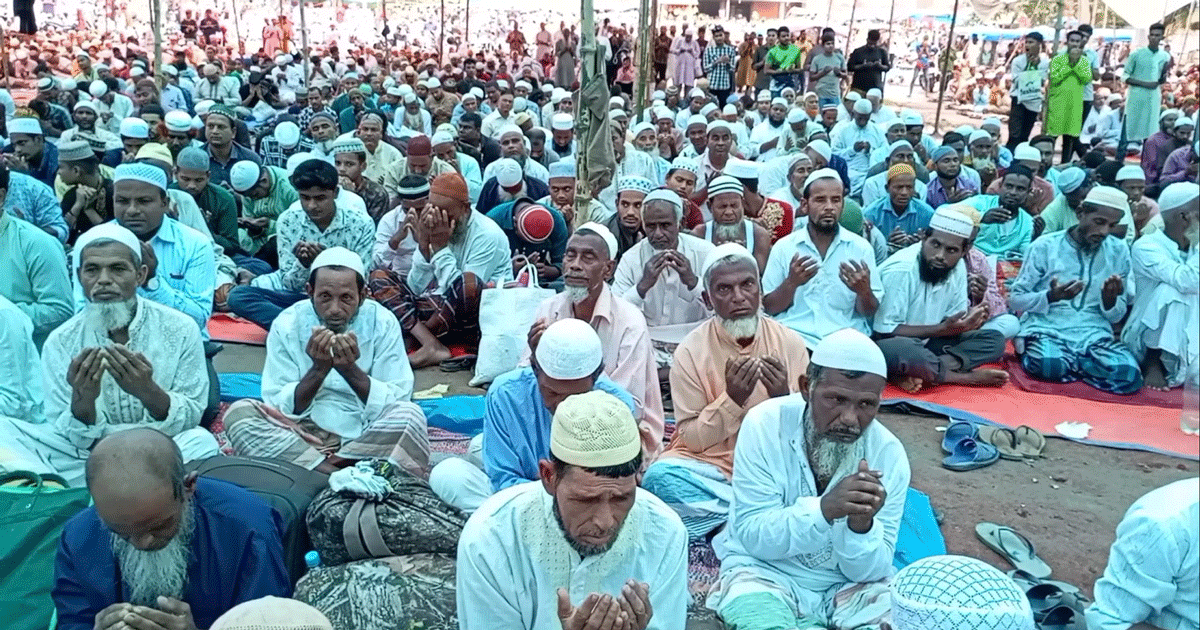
(1007, 241)
(20, 387)
(1143, 104)
(1078, 322)
(33, 275)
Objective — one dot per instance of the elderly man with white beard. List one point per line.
(122, 362)
(726, 366)
(126, 562)
(818, 494)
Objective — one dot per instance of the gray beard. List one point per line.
(576, 294)
(742, 327)
(106, 316)
(730, 232)
(163, 572)
(503, 195)
(825, 456)
(1193, 235)
(583, 550)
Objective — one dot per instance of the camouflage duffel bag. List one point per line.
(399, 593)
(410, 520)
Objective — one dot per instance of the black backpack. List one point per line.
(284, 486)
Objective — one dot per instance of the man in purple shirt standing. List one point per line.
(949, 185)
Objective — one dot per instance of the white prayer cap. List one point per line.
(875, 92)
(97, 89)
(741, 169)
(912, 119)
(1108, 197)
(519, 84)
(477, 93)
(724, 184)
(717, 123)
(1169, 112)
(111, 231)
(604, 233)
(339, 257)
(696, 93)
(135, 128)
(721, 253)
(780, 101)
(1178, 195)
(395, 91)
(558, 95)
(666, 196)
(822, 148)
(508, 172)
(137, 71)
(562, 121)
(244, 175)
(142, 173)
(850, 350)
(697, 119)
(288, 134)
(178, 121)
(1131, 171)
(276, 613)
(502, 84)
(562, 169)
(964, 130)
(410, 97)
(92, 106)
(441, 137)
(347, 145)
(686, 164)
(1184, 121)
(823, 173)
(948, 220)
(662, 111)
(794, 115)
(731, 110)
(862, 107)
(616, 100)
(593, 430)
(203, 106)
(1026, 153)
(569, 350)
(618, 114)
(899, 144)
(433, 82)
(763, 95)
(980, 134)
(957, 593)
(26, 125)
(634, 183)
(991, 121)
(852, 96)
(641, 127)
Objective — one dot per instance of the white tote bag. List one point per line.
(505, 317)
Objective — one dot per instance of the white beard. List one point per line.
(164, 572)
(824, 455)
(576, 294)
(742, 327)
(1193, 235)
(729, 232)
(504, 195)
(106, 316)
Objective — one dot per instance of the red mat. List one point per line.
(234, 329)
(1141, 427)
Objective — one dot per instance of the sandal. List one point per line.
(458, 364)
(1003, 439)
(1013, 547)
(1029, 442)
(971, 455)
(956, 432)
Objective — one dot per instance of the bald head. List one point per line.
(136, 461)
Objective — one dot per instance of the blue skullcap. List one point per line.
(193, 159)
(1070, 179)
(942, 152)
(562, 169)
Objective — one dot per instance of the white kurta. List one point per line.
(1153, 572)
(909, 300)
(1166, 309)
(844, 138)
(336, 408)
(669, 301)
(20, 389)
(777, 535)
(513, 558)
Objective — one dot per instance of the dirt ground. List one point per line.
(1068, 503)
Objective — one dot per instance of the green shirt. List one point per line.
(220, 213)
(33, 275)
(783, 58)
(282, 196)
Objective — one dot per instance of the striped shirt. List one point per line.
(720, 74)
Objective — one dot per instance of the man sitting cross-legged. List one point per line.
(336, 382)
(659, 275)
(818, 493)
(123, 361)
(730, 363)
(161, 549)
(1070, 292)
(1162, 329)
(516, 422)
(459, 251)
(582, 548)
(628, 353)
(929, 332)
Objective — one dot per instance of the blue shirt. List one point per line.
(236, 556)
(884, 218)
(35, 202)
(516, 426)
(218, 172)
(48, 169)
(186, 273)
(33, 275)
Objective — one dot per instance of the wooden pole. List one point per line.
(6, 68)
(583, 116)
(466, 28)
(156, 24)
(1057, 29)
(442, 34)
(891, 18)
(850, 28)
(304, 43)
(645, 43)
(944, 73)
(237, 28)
(829, 13)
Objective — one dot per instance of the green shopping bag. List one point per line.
(32, 515)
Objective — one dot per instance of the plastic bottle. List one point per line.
(312, 560)
(1189, 418)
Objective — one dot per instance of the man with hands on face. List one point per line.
(583, 548)
(459, 251)
(123, 361)
(726, 366)
(929, 331)
(336, 372)
(818, 494)
(660, 275)
(303, 231)
(1070, 292)
(394, 237)
(822, 278)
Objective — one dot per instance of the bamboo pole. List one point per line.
(829, 13)
(467, 28)
(891, 18)
(156, 25)
(944, 73)
(237, 28)
(583, 117)
(645, 43)
(442, 34)
(304, 43)
(1057, 29)
(850, 28)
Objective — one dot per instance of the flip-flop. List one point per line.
(458, 364)
(1013, 547)
(970, 455)
(1029, 442)
(956, 432)
(1003, 439)
(1062, 618)
(1027, 581)
(1043, 598)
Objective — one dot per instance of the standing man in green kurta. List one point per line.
(1070, 70)
(1145, 73)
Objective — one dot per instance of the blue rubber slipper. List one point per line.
(956, 432)
(969, 454)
